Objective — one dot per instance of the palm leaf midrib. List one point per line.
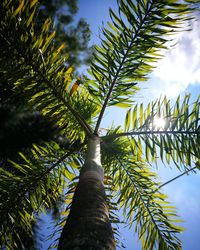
(51, 85)
(119, 69)
(145, 204)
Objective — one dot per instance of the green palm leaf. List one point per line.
(38, 181)
(177, 139)
(137, 192)
(131, 45)
(39, 71)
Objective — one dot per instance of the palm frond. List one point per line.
(178, 138)
(135, 189)
(37, 69)
(38, 180)
(131, 46)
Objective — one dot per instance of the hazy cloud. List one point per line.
(181, 65)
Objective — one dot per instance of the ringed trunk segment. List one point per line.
(88, 226)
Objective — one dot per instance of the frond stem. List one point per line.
(173, 179)
(78, 117)
(141, 197)
(33, 183)
(61, 159)
(138, 133)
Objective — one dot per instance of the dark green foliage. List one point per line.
(20, 132)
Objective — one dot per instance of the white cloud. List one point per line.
(180, 66)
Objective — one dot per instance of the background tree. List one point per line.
(75, 36)
(131, 45)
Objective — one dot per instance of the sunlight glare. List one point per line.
(159, 123)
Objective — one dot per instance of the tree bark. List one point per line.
(88, 226)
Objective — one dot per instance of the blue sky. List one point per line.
(177, 73)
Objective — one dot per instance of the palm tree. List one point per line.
(97, 173)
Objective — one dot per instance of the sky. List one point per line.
(177, 73)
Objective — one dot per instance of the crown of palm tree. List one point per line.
(131, 45)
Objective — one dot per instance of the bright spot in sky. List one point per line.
(159, 123)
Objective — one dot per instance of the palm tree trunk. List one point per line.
(88, 226)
